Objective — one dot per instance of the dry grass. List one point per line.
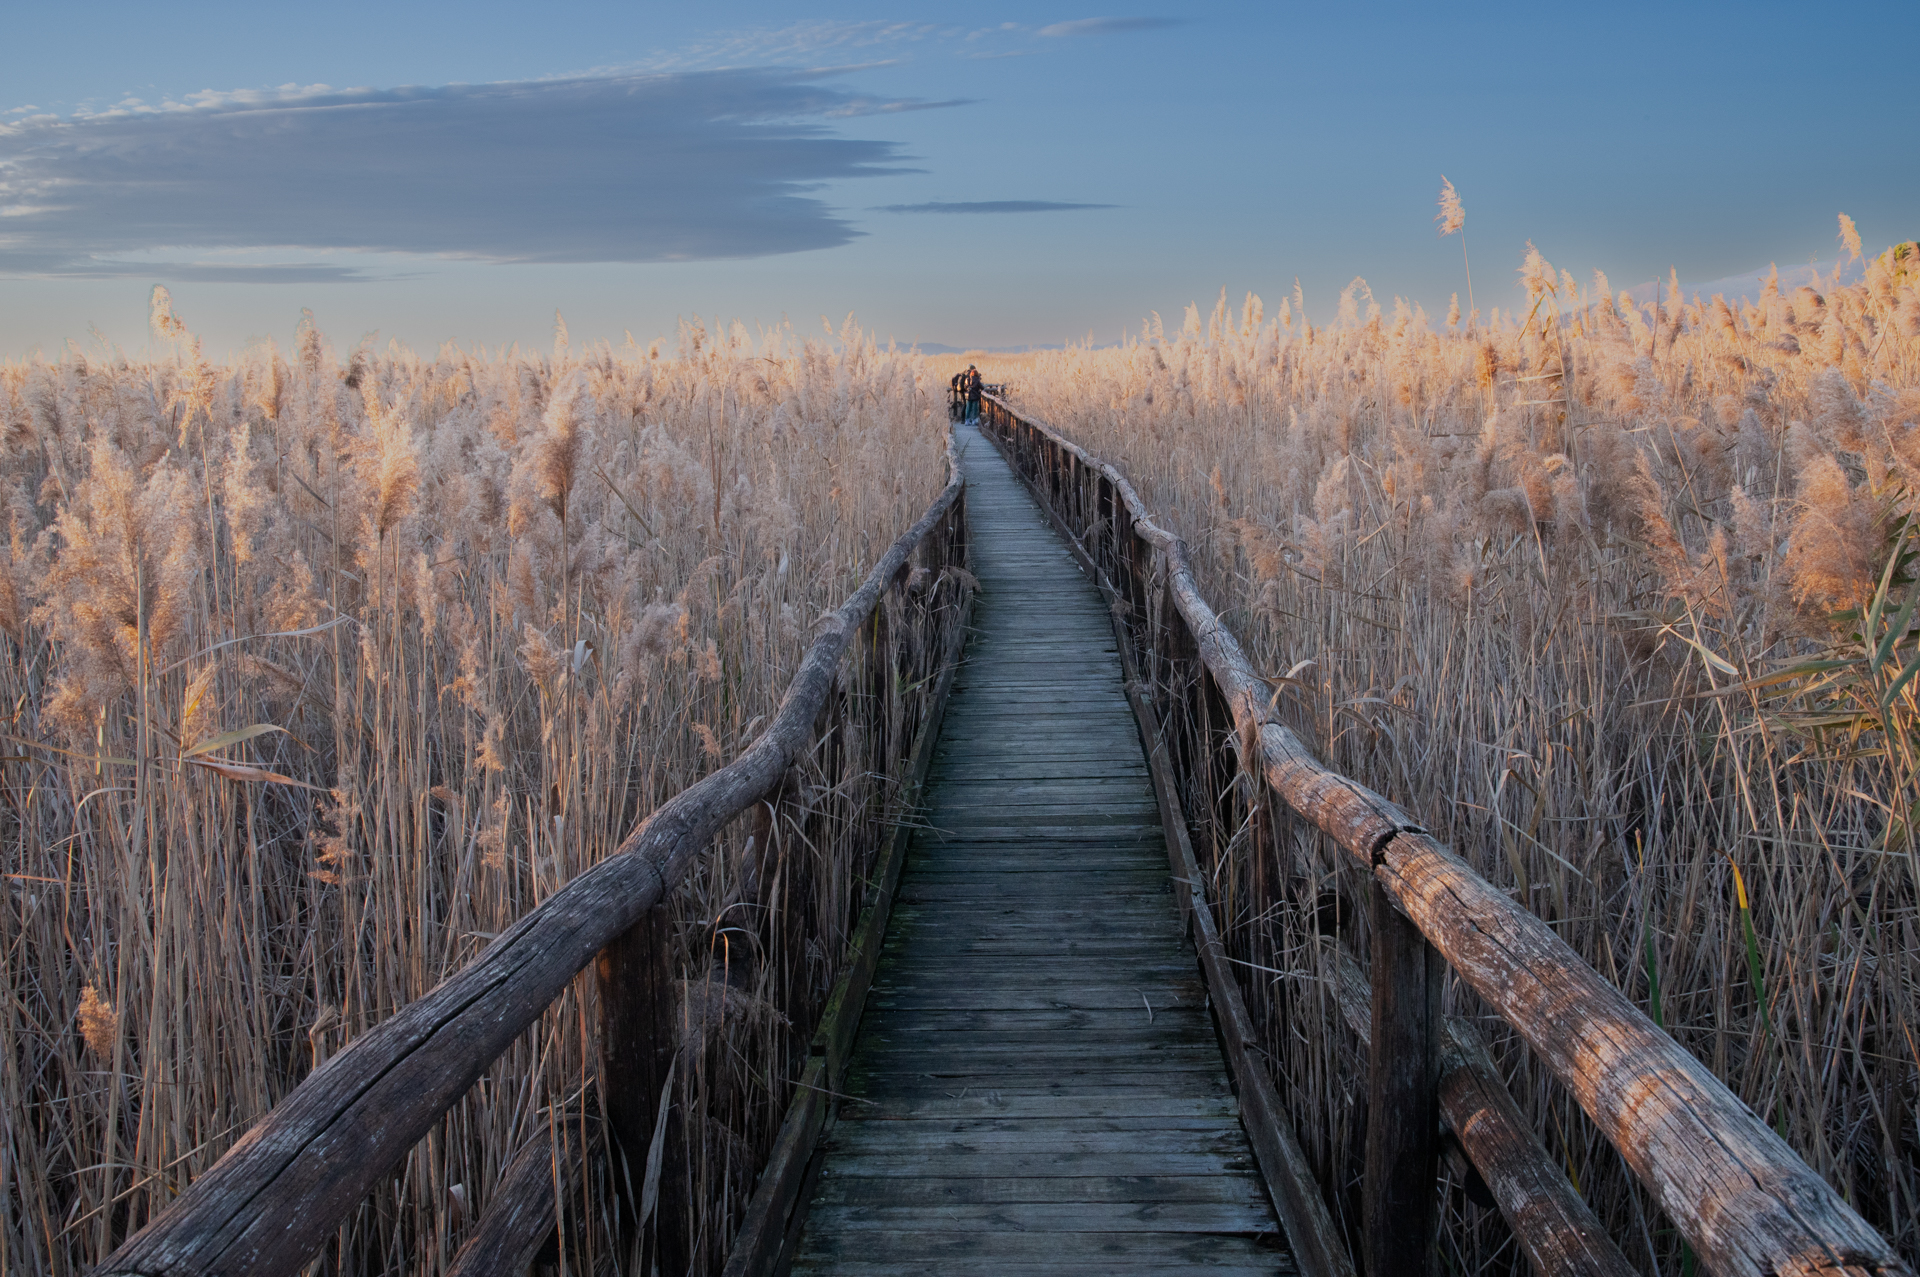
(319, 674)
(1555, 582)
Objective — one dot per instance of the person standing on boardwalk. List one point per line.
(957, 400)
(973, 393)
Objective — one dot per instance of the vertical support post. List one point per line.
(637, 978)
(1403, 1104)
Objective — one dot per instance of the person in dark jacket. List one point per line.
(957, 400)
(973, 393)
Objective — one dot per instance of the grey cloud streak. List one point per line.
(1106, 26)
(987, 206)
(699, 165)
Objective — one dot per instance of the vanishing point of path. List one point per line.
(1036, 1086)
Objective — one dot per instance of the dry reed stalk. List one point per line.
(463, 600)
(1619, 600)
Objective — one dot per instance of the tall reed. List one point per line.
(320, 673)
(1618, 597)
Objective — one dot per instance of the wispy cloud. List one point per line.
(631, 168)
(987, 206)
(1106, 26)
(203, 272)
(797, 42)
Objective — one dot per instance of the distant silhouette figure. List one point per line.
(973, 393)
(957, 398)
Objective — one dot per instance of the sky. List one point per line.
(997, 175)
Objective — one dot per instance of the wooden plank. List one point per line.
(921, 1080)
(1127, 1104)
(1317, 1242)
(1245, 1216)
(930, 1141)
(858, 1119)
(1264, 1266)
(1037, 997)
(1042, 1163)
(1181, 1019)
(1007, 1056)
(1118, 1250)
(1401, 1190)
(842, 1188)
(638, 982)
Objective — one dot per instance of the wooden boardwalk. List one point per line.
(1036, 1086)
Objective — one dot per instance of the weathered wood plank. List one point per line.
(1179, 1019)
(1038, 997)
(1400, 1194)
(1318, 1244)
(842, 1188)
(920, 1080)
(1121, 1102)
(1255, 1260)
(1043, 1163)
(638, 977)
(1246, 1216)
(1036, 1034)
(861, 1140)
(1163, 1250)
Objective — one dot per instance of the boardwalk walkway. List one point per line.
(1038, 1088)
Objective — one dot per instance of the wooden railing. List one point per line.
(1739, 1195)
(270, 1203)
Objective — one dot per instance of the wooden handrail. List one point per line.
(269, 1204)
(1743, 1199)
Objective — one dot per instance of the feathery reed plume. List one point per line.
(99, 1026)
(1453, 218)
(160, 317)
(193, 546)
(1849, 237)
(1526, 557)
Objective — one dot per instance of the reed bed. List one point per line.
(319, 672)
(1618, 598)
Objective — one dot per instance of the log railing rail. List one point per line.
(1741, 1197)
(270, 1203)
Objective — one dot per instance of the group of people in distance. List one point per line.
(966, 390)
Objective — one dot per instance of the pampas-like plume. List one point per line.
(99, 1026)
(559, 447)
(1849, 237)
(331, 560)
(160, 317)
(1451, 216)
(397, 473)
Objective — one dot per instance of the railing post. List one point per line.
(638, 978)
(1403, 1105)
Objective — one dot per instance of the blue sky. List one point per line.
(996, 175)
